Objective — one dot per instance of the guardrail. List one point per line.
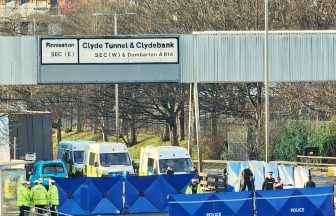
(316, 169)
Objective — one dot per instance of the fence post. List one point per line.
(124, 205)
(254, 202)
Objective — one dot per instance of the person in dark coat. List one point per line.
(310, 183)
(247, 179)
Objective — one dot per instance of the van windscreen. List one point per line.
(109, 159)
(78, 156)
(53, 168)
(179, 164)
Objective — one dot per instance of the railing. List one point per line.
(316, 169)
(317, 159)
(47, 211)
(325, 165)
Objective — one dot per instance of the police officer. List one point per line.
(194, 187)
(53, 197)
(23, 198)
(269, 182)
(39, 196)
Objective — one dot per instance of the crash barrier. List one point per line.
(291, 176)
(116, 195)
(306, 202)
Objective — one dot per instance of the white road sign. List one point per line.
(128, 50)
(59, 51)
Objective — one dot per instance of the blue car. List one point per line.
(47, 170)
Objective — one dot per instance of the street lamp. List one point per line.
(115, 15)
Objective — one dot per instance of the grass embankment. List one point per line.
(143, 141)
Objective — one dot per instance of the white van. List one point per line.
(71, 152)
(156, 159)
(107, 159)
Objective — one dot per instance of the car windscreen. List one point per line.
(109, 159)
(78, 156)
(179, 164)
(53, 168)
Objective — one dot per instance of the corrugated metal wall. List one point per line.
(18, 60)
(238, 57)
(210, 57)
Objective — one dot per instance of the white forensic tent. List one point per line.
(286, 173)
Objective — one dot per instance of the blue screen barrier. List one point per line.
(303, 201)
(99, 196)
(228, 204)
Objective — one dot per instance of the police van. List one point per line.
(107, 159)
(71, 152)
(156, 159)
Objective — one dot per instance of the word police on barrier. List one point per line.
(109, 51)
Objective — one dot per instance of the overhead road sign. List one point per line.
(128, 51)
(109, 59)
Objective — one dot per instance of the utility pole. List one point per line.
(116, 87)
(266, 79)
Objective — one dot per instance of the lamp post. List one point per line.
(266, 79)
(115, 15)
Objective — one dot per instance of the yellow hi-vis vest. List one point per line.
(39, 195)
(71, 168)
(198, 189)
(53, 195)
(23, 196)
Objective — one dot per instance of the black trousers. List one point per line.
(53, 208)
(246, 184)
(40, 209)
(23, 210)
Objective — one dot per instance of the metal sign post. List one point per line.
(266, 79)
